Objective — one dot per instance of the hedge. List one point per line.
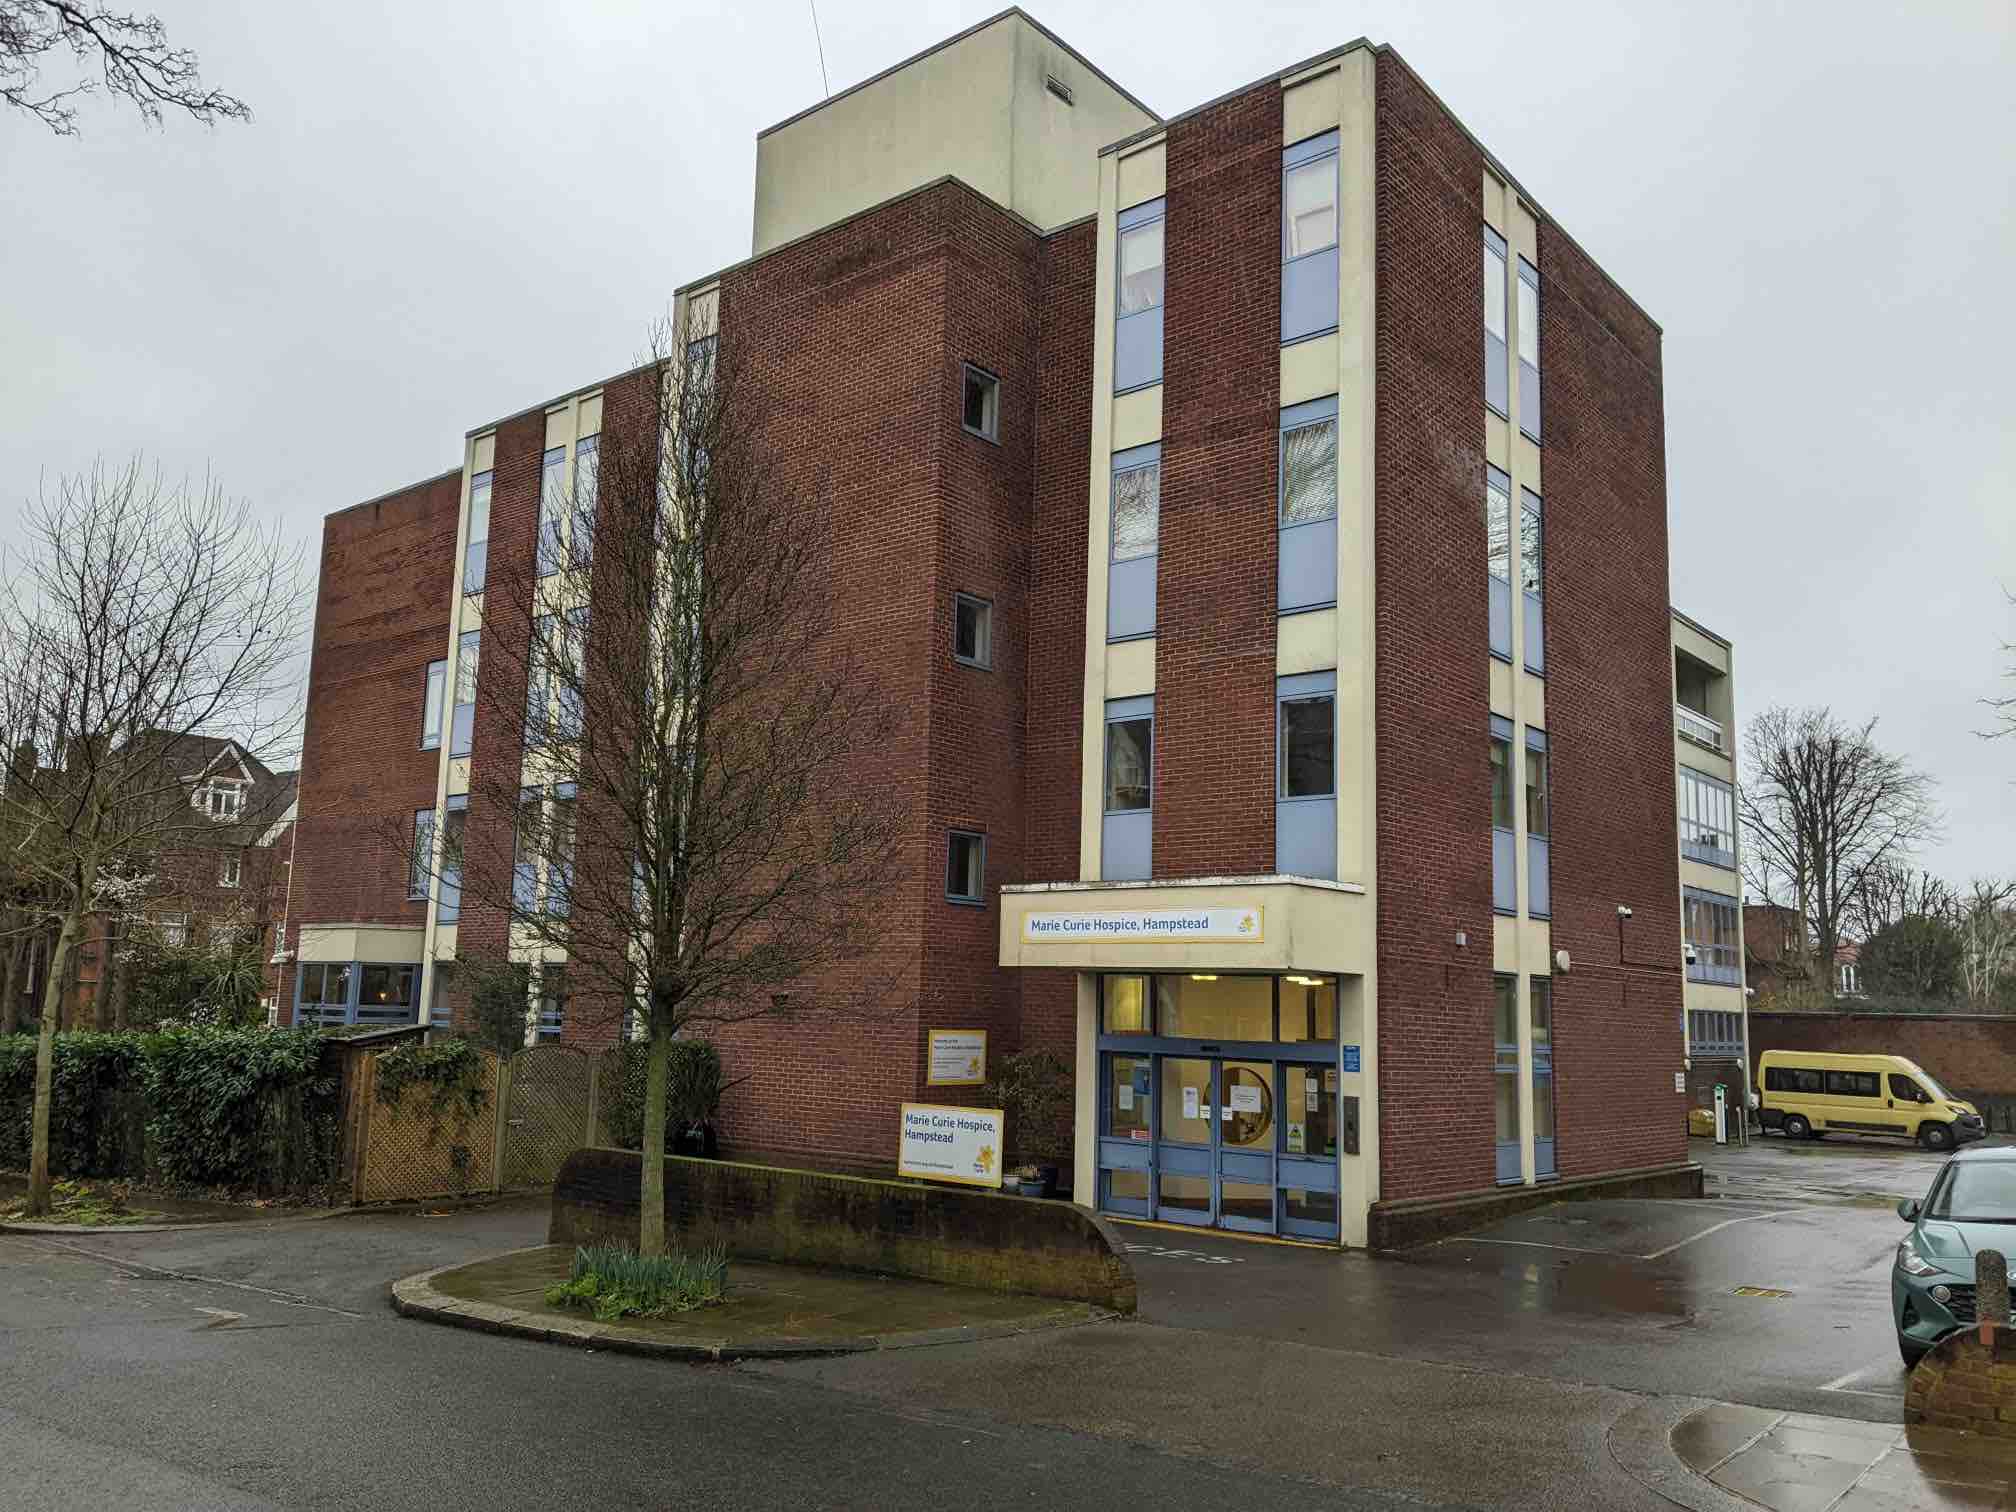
(247, 1109)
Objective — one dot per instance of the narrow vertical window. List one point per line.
(1497, 376)
(1498, 553)
(1127, 833)
(462, 729)
(1529, 349)
(525, 853)
(552, 999)
(1309, 237)
(420, 869)
(1137, 321)
(560, 851)
(587, 480)
(1306, 570)
(1540, 1000)
(476, 556)
(570, 673)
(1530, 558)
(430, 706)
(980, 409)
(1504, 821)
(552, 548)
(1305, 798)
(1505, 1078)
(539, 680)
(966, 867)
(1136, 540)
(972, 630)
(1539, 889)
(455, 816)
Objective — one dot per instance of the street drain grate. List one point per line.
(1759, 1291)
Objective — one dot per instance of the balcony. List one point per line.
(1699, 728)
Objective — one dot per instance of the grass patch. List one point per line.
(614, 1283)
(80, 1203)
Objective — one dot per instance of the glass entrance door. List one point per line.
(1247, 1117)
(1186, 1138)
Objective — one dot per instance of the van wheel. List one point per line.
(1797, 1127)
(1935, 1136)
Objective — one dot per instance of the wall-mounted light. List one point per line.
(1203, 976)
(1305, 981)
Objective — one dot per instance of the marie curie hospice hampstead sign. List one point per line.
(1177, 926)
(950, 1144)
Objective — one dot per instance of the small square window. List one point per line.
(981, 407)
(229, 871)
(966, 868)
(972, 630)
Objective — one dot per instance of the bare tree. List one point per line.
(700, 826)
(1893, 892)
(138, 621)
(1824, 809)
(129, 52)
(1987, 922)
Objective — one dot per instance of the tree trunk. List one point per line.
(101, 991)
(651, 1214)
(10, 986)
(45, 1065)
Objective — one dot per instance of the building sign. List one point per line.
(950, 1144)
(1350, 1057)
(1176, 926)
(957, 1058)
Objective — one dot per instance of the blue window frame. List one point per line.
(462, 725)
(552, 547)
(430, 706)
(1504, 822)
(1540, 1005)
(1497, 277)
(476, 555)
(1307, 549)
(1305, 796)
(1530, 557)
(455, 817)
(420, 869)
(552, 999)
(1498, 554)
(1137, 303)
(1529, 351)
(587, 483)
(1127, 827)
(1539, 882)
(1309, 205)
(1712, 929)
(1505, 1076)
(1707, 819)
(1135, 542)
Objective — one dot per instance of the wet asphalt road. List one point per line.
(258, 1365)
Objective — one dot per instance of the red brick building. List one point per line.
(1262, 761)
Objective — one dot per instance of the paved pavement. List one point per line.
(259, 1365)
(1793, 1462)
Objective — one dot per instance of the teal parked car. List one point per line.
(1971, 1207)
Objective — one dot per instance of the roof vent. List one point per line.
(1057, 87)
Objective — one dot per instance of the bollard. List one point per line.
(1991, 1293)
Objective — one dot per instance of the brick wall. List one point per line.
(1215, 602)
(1430, 677)
(1966, 1054)
(1617, 1015)
(381, 615)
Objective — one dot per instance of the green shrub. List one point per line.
(1033, 1090)
(97, 1113)
(692, 1091)
(615, 1283)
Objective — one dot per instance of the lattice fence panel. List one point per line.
(546, 1114)
(410, 1151)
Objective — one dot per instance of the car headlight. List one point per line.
(1912, 1263)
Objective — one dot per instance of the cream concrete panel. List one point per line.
(1144, 175)
(1309, 370)
(483, 453)
(1522, 231)
(1305, 642)
(1536, 946)
(1700, 647)
(1056, 146)
(1130, 670)
(1304, 926)
(1716, 996)
(1311, 105)
(458, 774)
(703, 313)
(1497, 442)
(1085, 1089)
(590, 422)
(1501, 690)
(444, 949)
(1520, 944)
(1358, 1175)
(559, 425)
(360, 942)
(1098, 530)
(1494, 202)
(1137, 416)
(1525, 468)
(1533, 700)
(1704, 760)
(1715, 879)
(1504, 945)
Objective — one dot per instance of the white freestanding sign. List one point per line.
(950, 1144)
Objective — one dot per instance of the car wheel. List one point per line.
(1912, 1353)
(1935, 1136)
(1797, 1127)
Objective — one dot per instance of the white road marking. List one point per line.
(1715, 1229)
(1572, 1249)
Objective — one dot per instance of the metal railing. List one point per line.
(1698, 727)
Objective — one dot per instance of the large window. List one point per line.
(1714, 949)
(1136, 539)
(966, 867)
(1305, 801)
(1505, 1078)
(1529, 578)
(462, 729)
(1137, 325)
(1504, 821)
(1309, 179)
(322, 993)
(1498, 553)
(387, 994)
(1206, 1005)
(1128, 827)
(1529, 349)
(1539, 880)
(1496, 359)
(587, 483)
(476, 555)
(1707, 819)
(1714, 1033)
(1307, 556)
(430, 706)
(552, 548)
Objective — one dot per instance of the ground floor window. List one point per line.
(356, 992)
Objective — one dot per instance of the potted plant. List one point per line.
(1033, 1090)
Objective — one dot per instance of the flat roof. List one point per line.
(1693, 624)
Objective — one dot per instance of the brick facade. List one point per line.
(1972, 1056)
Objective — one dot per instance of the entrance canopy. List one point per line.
(1256, 924)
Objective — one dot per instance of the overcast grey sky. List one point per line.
(443, 213)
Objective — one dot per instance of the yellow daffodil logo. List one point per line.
(986, 1160)
(973, 1066)
(1248, 923)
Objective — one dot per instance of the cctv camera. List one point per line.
(1623, 912)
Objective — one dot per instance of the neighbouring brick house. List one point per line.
(1191, 484)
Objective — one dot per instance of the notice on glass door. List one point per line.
(1190, 1102)
(1245, 1099)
